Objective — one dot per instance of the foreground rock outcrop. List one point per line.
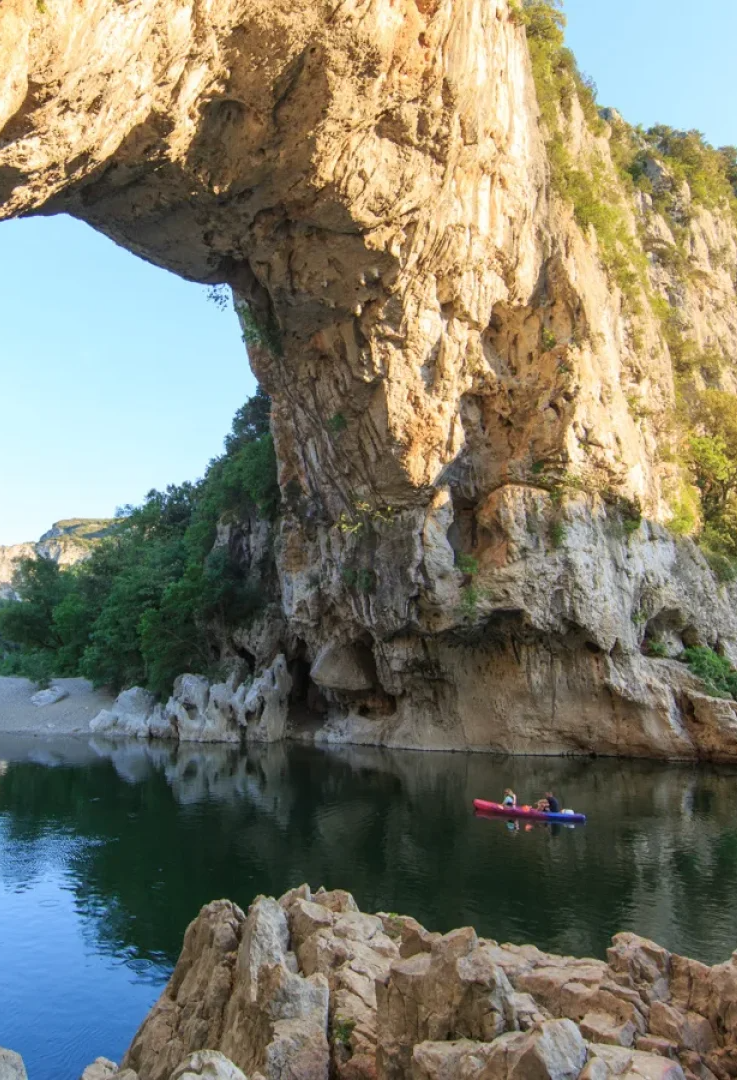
(469, 406)
(308, 987)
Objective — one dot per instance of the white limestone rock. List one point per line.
(267, 702)
(49, 696)
(201, 713)
(11, 1066)
(101, 1069)
(207, 1065)
(128, 716)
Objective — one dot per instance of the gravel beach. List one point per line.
(71, 716)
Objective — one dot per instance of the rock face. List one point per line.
(308, 987)
(66, 542)
(442, 343)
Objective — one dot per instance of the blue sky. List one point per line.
(117, 377)
(661, 61)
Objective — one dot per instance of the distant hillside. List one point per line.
(66, 542)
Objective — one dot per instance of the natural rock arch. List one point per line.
(371, 179)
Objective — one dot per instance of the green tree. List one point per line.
(149, 601)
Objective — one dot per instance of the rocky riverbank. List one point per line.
(68, 710)
(307, 987)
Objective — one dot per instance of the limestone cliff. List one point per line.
(471, 370)
(66, 542)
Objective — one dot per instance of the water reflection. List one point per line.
(175, 826)
(139, 836)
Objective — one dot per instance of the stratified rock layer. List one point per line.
(442, 345)
(308, 987)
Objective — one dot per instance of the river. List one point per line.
(107, 852)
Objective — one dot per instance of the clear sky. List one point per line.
(116, 377)
(661, 61)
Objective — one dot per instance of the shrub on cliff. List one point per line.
(715, 671)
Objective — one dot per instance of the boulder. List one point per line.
(642, 964)
(128, 716)
(344, 667)
(455, 991)
(235, 989)
(49, 696)
(555, 1051)
(189, 1014)
(276, 1020)
(207, 1065)
(266, 704)
(11, 1066)
(629, 1065)
(101, 1069)
(103, 723)
(687, 1029)
(160, 725)
(201, 713)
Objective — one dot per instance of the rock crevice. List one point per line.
(310, 988)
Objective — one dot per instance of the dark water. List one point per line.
(106, 854)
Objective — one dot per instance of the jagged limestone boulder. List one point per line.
(266, 704)
(11, 1066)
(207, 1065)
(555, 1051)
(129, 715)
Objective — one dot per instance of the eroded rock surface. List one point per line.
(442, 344)
(200, 712)
(308, 987)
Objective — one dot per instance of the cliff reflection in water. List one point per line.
(156, 831)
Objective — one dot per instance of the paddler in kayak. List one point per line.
(549, 805)
(510, 799)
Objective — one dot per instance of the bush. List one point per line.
(710, 174)
(557, 534)
(716, 672)
(467, 564)
(35, 664)
(724, 567)
(337, 423)
(549, 339)
(259, 330)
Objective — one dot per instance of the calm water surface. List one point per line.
(107, 853)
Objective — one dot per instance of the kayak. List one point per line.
(528, 812)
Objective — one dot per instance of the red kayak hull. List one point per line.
(528, 812)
